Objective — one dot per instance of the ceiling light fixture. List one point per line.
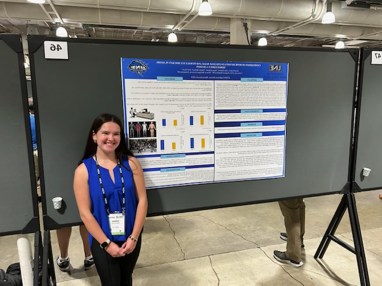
(172, 38)
(329, 16)
(340, 45)
(37, 1)
(262, 42)
(205, 8)
(61, 32)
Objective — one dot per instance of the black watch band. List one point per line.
(105, 244)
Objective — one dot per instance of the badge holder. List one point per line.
(117, 223)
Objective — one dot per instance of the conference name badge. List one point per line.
(117, 224)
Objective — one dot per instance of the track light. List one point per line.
(205, 8)
(262, 42)
(340, 45)
(61, 32)
(172, 38)
(37, 1)
(329, 16)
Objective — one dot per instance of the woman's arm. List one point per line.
(140, 190)
(81, 191)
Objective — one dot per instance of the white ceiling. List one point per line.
(154, 19)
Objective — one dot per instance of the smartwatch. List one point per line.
(105, 244)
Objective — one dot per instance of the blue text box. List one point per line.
(251, 111)
(251, 135)
(251, 124)
(169, 78)
(173, 156)
(172, 170)
(248, 79)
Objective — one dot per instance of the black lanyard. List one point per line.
(103, 190)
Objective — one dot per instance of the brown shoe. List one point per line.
(380, 196)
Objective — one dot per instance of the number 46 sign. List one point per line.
(56, 50)
(376, 58)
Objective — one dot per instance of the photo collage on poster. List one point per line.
(142, 136)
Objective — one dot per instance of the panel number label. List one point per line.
(56, 50)
(376, 58)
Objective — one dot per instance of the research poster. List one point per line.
(197, 122)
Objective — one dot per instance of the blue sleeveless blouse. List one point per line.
(113, 193)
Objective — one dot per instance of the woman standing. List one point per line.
(111, 197)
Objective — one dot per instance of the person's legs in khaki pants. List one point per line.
(294, 218)
(302, 219)
(35, 158)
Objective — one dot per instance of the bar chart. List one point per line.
(172, 121)
(198, 120)
(199, 143)
(170, 144)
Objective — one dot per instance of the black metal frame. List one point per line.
(35, 41)
(48, 274)
(47, 221)
(348, 200)
(38, 254)
(347, 203)
(242, 204)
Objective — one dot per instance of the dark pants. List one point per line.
(115, 271)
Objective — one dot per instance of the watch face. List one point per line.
(105, 244)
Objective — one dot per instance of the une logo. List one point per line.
(275, 68)
(138, 66)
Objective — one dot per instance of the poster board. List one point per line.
(18, 206)
(370, 122)
(71, 93)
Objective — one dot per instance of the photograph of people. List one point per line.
(152, 129)
(131, 130)
(143, 145)
(138, 127)
(144, 129)
(111, 196)
(132, 114)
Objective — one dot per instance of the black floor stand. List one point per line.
(38, 254)
(347, 203)
(48, 274)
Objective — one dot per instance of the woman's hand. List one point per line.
(129, 246)
(114, 250)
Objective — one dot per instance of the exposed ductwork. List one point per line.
(167, 14)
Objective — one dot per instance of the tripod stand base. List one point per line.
(347, 203)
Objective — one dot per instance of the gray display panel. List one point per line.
(370, 126)
(17, 207)
(71, 93)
